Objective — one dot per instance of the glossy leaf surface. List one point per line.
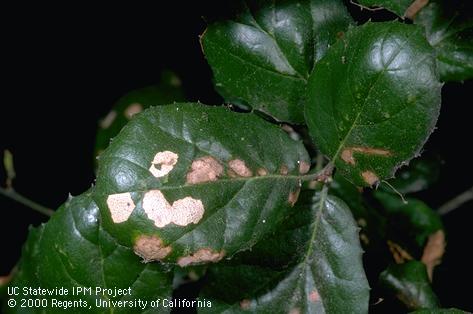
(373, 100)
(264, 55)
(189, 183)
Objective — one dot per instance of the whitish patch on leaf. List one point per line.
(433, 251)
(106, 122)
(200, 257)
(239, 168)
(283, 170)
(347, 153)
(245, 304)
(369, 177)
(151, 248)
(203, 170)
(304, 167)
(133, 109)
(314, 296)
(163, 163)
(121, 206)
(262, 172)
(182, 212)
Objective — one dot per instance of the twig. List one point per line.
(456, 202)
(11, 193)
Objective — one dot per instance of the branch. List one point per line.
(11, 193)
(456, 202)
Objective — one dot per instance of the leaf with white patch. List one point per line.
(72, 250)
(197, 183)
(263, 57)
(312, 265)
(373, 100)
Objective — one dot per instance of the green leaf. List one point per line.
(324, 275)
(263, 57)
(372, 223)
(72, 250)
(373, 100)
(411, 223)
(440, 311)
(418, 176)
(191, 184)
(166, 92)
(410, 284)
(397, 6)
(449, 29)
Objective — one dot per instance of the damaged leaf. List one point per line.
(449, 29)
(410, 284)
(312, 265)
(373, 100)
(166, 92)
(396, 6)
(264, 55)
(418, 176)
(73, 250)
(212, 201)
(409, 224)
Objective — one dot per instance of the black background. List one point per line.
(63, 68)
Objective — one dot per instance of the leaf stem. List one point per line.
(323, 175)
(11, 193)
(456, 202)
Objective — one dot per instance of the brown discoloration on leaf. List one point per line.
(262, 172)
(245, 304)
(151, 248)
(304, 167)
(201, 256)
(414, 8)
(283, 170)
(295, 311)
(182, 212)
(121, 206)
(106, 122)
(399, 254)
(314, 296)
(347, 153)
(433, 251)
(133, 109)
(163, 163)
(239, 168)
(369, 177)
(361, 222)
(293, 196)
(203, 170)
(186, 211)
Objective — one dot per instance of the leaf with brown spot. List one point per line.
(433, 252)
(313, 264)
(372, 114)
(209, 193)
(166, 92)
(73, 250)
